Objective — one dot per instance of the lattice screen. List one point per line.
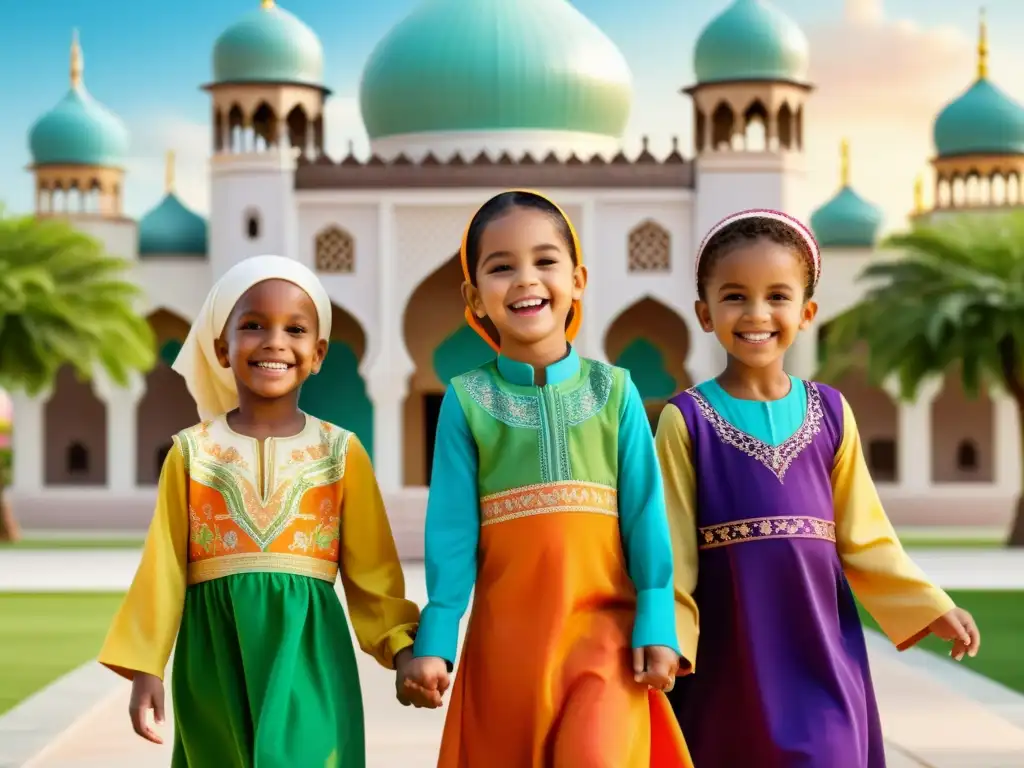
(335, 251)
(650, 248)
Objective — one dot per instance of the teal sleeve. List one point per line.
(452, 533)
(644, 525)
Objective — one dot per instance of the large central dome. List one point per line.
(494, 67)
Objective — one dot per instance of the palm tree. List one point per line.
(63, 301)
(954, 301)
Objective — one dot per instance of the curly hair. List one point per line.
(749, 230)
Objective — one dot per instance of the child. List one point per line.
(259, 508)
(546, 495)
(768, 492)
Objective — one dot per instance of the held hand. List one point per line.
(655, 666)
(422, 681)
(147, 694)
(958, 627)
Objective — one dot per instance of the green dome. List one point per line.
(78, 131)
(751, 40)
(493, 65)
(983, 120)
(846, 221)
(269, 45)
(172, 228)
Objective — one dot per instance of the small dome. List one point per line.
(268, 45)
(846, 221)
(983, 120)
(751, 40)
(79, 130)
(495, 65)
(172, 228)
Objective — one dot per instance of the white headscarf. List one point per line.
(211, 385)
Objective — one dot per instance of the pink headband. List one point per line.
(766, 213)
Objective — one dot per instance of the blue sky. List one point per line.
(146, 61)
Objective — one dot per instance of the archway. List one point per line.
(441, 345)
(166, 407)
(652, 342)
(75, 421)
(877, 418)
(963, 434)
(338, 393)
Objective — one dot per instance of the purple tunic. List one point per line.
(782, 678)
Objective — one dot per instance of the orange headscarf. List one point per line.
(575, 313)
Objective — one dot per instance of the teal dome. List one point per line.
(495, 65)
(172, 228)
(846, 221)
(78, 131)
(751, 40)
(983, 120)
(269, 45)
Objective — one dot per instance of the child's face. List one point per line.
(525, 279)
(270, 340)
(755, 302)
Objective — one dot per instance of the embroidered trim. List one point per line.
(713, 536)
(777, 459)
(546, 499)
(261, 562)
(513, 410)
(264, 517)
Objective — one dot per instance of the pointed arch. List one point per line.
(963, 434)
(755, 127)
(75, 424)
(299, 129)
(264, 127)
(723, 126)
(652, 341)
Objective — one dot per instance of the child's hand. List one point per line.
(958, 627)
(656, 667)
(422, 681)
(147, 694)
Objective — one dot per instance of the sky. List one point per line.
(882, 70)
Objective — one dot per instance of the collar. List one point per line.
(523, 374)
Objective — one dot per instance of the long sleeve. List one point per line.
(383, 620)
(452, 533)
(672, 443)
(143, 632)
(886, 581)
(645, 535)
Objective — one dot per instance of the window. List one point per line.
(882, 459)
(650, 249)
(252, 225)
(77, 459)
(335, 251)
(967, 456)
(431, 415)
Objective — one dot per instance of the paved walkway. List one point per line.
(936, 714)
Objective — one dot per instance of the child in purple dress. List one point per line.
(776, 524)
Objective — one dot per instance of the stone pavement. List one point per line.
(935, 714)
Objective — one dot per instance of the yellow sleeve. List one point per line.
(886, 581)
(146, 625)
(383, 620)
(674, 454)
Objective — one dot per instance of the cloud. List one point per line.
(152, 137)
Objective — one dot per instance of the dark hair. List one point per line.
(503, 204)
(750, 230)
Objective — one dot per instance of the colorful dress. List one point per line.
(549, 499)
(771, 503)
(243, 553)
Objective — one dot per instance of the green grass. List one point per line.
(1000, 617)
(44, 636)
(98, 543)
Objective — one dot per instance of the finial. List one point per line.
(919, 194)
(351, 148)
(266, 5)
(646, 141)
(844, 163)
(982, 47)
(169, 172)
(77, 64)
(675, 143)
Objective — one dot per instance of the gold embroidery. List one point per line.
(261, 562)
(548, 498)
(713, 536)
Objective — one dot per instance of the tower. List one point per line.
(268, 104)
(78, 150)
(751, 64)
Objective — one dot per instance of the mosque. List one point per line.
(455, 113)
